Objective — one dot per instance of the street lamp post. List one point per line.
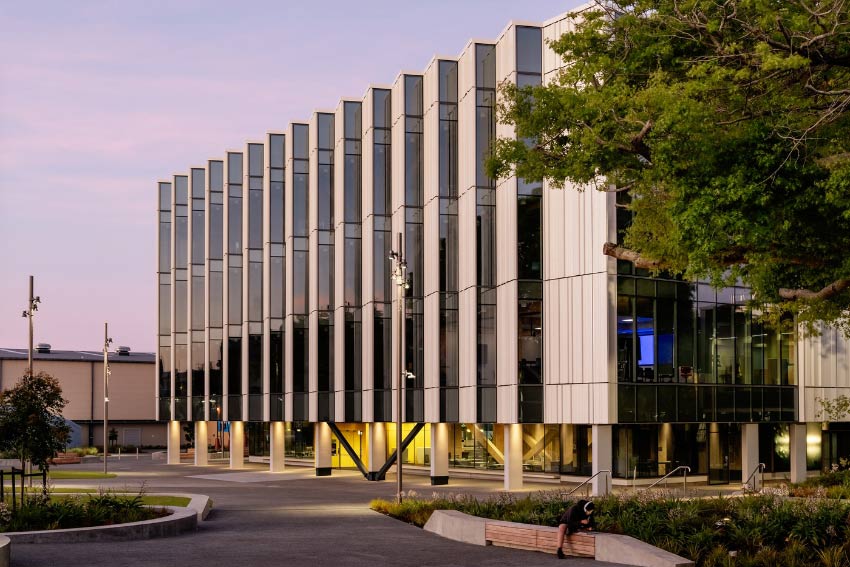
(32, 307)
(399, 276)
(106, 343)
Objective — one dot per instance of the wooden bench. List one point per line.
(66, 459)
(538, 538)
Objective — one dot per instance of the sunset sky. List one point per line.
(99, 100)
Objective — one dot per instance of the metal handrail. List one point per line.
(685, 468)
(591, 478)
(759, 468)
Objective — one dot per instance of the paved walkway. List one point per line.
(291, 518)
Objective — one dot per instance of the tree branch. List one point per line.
(831, 290)
(620, 253)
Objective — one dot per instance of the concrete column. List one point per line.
(602, 450)
(237, 444)
(174, 442)
(376, 448)
(276, 454)
(513, 456)
(798, 451)
(750, 453)
(322, 448)
(439, 453)
(201, 442)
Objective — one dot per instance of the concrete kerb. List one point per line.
(180, 520)
(5, 551)
(615, 548)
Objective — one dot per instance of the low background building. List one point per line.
(80, 373)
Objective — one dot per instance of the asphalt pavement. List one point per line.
(292, 518)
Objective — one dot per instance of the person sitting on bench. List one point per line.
(578, 517)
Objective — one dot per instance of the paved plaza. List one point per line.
(291, 518)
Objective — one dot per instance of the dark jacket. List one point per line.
(574, 516)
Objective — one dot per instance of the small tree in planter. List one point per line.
(31, 423)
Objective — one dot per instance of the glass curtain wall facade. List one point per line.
(179, 295)
(485, 233)
(164, 316)
(382, 239)
(348, 217)
(414, 399)
(298, 275)
(233, 286)
(275, 249)
(252, 324)
(529, 221)
(197, 303)
(215, 287)
(325, 253)
(449, 359)
(275, 301)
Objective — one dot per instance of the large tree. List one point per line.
(726, 126)
(31, 424)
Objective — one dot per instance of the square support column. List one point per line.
(277, 434)
(798, 451)
(237, 444)
(173, 443)
(750, 454)
(439, 454)
(376, 448)
(513, 456)
(201, 442)
(322, 448)
(602, 453)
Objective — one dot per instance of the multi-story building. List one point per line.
(526, 349)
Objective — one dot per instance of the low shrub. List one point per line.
(761, 530)
(40, 512)
(83, 451)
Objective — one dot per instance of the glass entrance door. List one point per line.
(724, 453)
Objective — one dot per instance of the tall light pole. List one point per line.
(399, 276)
(106, 342)
(32, 307)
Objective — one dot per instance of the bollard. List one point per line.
(137, 453)
(119, 453)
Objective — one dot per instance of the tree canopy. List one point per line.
(31, 423)
(726, 126)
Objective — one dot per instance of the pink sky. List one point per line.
(99, 100)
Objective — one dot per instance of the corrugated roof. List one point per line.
(76, 355)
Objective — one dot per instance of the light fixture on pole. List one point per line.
(32, 307)
(399, 276)
(106, 342)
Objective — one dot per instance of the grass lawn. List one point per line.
(153, 500)
(69, 475)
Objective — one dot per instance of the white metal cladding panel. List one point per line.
(290, 254)
(555, 225)
(507, 410)
(823, 367)
(506, 358)
(466, 120)
(338, 317)
(266, 366)
(432, 358)
(431, 137)
(397, 137)
(506, 55)
(245, 271)
(367, 356)
(580, 402)
(313, 269)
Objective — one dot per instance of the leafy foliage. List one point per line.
(43, 513)
(31, 423)
(764, 530)
(725, 127)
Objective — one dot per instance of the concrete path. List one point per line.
(291, 518)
